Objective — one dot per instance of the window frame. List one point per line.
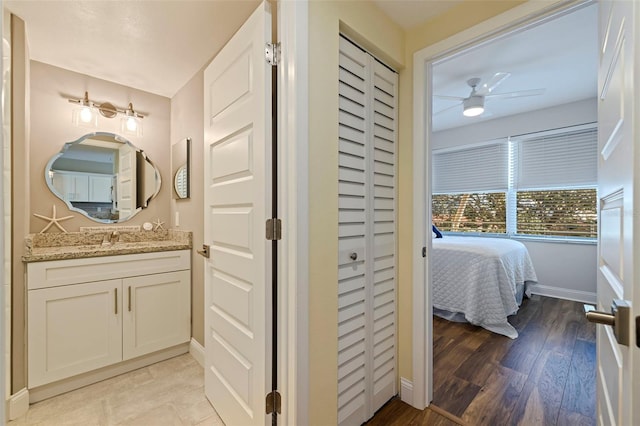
(513, 143)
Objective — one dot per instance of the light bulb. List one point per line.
(85, 115)
(473, 111)
(132, 124)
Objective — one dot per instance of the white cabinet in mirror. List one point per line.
(103, 176)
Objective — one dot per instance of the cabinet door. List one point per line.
(73, 329)
(156, 312)
(81, 184)
(100, 189)
(72, 186)
(61, 184)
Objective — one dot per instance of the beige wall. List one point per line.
(367, 25)
(51, 127)
(452, 22)
(20, 187)
(187, 118)
(5, 228)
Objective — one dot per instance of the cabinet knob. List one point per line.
(353, 256)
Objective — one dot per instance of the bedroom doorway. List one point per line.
(493, 70)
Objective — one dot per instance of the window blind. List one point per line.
(558, 161)
(476, 169)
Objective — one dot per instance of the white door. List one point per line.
(619, 225)
(366, 235)
(237, 147)
(126, 181)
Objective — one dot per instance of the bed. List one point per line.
(480, 280)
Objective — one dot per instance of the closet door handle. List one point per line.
(353, 256)
(129, 298)
(115, 300)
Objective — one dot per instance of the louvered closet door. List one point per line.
(366, 259)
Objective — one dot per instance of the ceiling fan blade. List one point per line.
(518, 94)
(493, 82)
(447, 109)
(449, 98)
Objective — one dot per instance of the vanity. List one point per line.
(97, 308)
(111, 298)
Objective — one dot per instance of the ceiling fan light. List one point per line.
(473, 106)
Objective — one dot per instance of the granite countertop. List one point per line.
(79, 245)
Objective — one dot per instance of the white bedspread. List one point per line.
(478, 277)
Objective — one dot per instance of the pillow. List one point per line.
(436, 231)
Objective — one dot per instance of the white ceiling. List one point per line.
(409, 13)
(157, 46)
(560, 56)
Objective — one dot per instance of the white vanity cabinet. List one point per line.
(85, 314)
(100, 188)
(72, 186)
(83, 187)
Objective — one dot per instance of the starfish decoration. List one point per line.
(53, 220)
(158, 225)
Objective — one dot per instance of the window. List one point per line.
(541, 184)
(477, 212)
(566, 213)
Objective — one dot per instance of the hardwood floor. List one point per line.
(544, 377)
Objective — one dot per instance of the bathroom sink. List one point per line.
(68, 246)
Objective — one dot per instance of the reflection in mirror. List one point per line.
(181, 166)
(180, 182)
(103, 176)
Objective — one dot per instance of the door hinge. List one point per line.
(273, 402)
(424, 252)
(272, 53)
(274, 229)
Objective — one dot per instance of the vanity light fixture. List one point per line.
(131, 123)
(86, 114)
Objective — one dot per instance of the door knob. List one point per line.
(599, 317)
(353, 256)
(618, 319)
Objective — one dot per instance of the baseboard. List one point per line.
(52, 389)
(197, 351)
(406, 391)
(18, 404)
(563, 293)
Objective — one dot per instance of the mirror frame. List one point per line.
(49, 180)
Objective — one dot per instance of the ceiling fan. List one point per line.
(473, 105)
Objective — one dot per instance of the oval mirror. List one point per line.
(103, 176)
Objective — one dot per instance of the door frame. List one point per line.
(293, 209)
(514, 20)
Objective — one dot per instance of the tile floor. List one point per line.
(170, 392)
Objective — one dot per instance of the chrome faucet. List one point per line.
(115, 237)
(110, 238)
